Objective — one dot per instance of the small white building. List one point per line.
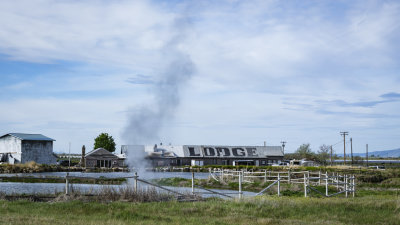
(22, 148)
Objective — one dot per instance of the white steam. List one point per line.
(145, 122)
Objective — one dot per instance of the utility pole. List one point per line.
(69, 156)
(351, 146)
(283, 146)
(367, 153)
(331, 156)
(344, 133)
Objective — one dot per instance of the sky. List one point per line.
(294, 71)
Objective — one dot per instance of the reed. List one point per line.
(262, 210)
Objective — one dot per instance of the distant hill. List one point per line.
(395, 153)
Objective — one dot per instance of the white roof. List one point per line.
(203, 150)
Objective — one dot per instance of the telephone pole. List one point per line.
(283, 146)
(367, 153)
(351, 146)
(331, 155)
(69, 156)
(344, 133)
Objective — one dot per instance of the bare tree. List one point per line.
(323, 154)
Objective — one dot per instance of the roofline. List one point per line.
(12, 134)
(91, 152)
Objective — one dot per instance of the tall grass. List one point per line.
(123, 194)
(105, 194)
(33, 167)
(263, 210)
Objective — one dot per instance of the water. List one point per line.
(144, 175)
(52, 188)
(46, 188)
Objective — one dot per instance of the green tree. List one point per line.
(358, 160)
(304, 151)
(104, 141)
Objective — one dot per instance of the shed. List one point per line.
(22, 148)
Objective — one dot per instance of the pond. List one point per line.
(52, 188)
(143, 175)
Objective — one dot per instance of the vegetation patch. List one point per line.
(106, 194)
(262, 210)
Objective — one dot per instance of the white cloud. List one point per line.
(251, 57)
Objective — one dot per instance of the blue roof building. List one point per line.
(23, 148)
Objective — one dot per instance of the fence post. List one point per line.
(265, 176)
(305, 186)
(337, 181)
(289, 178)
(345, 185)
(136, 177)
(308, 177)
(354, 186)
(326, 183)
(279, 184)
(192, 182)
(319, 176)
(240, 184)
(66, 184)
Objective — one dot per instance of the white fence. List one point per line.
(342, 183)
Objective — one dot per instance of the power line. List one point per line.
(337, 143)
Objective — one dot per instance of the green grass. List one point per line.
(263, 210)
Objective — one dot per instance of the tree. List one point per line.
(104, 141)
(304, 151)
(358, 160)
(323, 154)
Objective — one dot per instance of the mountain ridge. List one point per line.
(394, 153)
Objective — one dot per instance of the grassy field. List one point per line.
(263, 210)
(377, 202)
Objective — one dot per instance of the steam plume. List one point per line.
(145, 122)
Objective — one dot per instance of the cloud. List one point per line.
(388, 98)
(391, 96)
(259, 64)
(140, 79)
(121, 32)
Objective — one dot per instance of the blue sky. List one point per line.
(299, 71)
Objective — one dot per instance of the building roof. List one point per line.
(29, 137)
(199, 151)
(245, 151)
(100, 152)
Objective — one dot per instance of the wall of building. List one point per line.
(186, 161)
(231, 161)
(103, 162)
(38, 151)
(12, 146)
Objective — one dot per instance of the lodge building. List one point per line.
(200, 155)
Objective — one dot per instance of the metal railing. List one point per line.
(343, 183)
